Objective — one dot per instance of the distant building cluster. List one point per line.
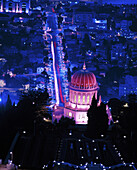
(128, 85)
(101, 35)
(21, 53)
(104, 37)
(15, 6)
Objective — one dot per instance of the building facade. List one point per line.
(82, 88)
(15, 6)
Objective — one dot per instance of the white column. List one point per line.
(1, 8)
(17, 8)
(7, 6)
(20, 7)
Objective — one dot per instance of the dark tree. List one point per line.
(115, 105)
(66, 57)
(97, 120)
(69, 74)
(133, 27)
(8, 103)
(86, 42)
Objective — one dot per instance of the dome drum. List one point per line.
(93, 88)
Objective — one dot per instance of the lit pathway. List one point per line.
(55, 74)
(51, 19)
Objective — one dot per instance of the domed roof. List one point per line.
(83, 79)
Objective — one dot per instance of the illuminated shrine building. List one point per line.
(82, 88)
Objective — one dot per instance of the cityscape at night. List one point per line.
(68, 84)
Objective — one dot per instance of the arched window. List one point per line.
(70, 96)
(88, 99)
(75, 98)
(84, 99)
(70, 114)
(10, 6)
(79, 99)
(79, 116)
(83, 115)
(24, 7)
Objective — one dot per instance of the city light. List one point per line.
(70, 68)
(125, 105)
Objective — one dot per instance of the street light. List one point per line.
(11, 156)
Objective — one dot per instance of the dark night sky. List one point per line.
(120, 1)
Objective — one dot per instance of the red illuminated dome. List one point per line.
(84, 79)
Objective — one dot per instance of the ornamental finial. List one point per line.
(84, 66)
